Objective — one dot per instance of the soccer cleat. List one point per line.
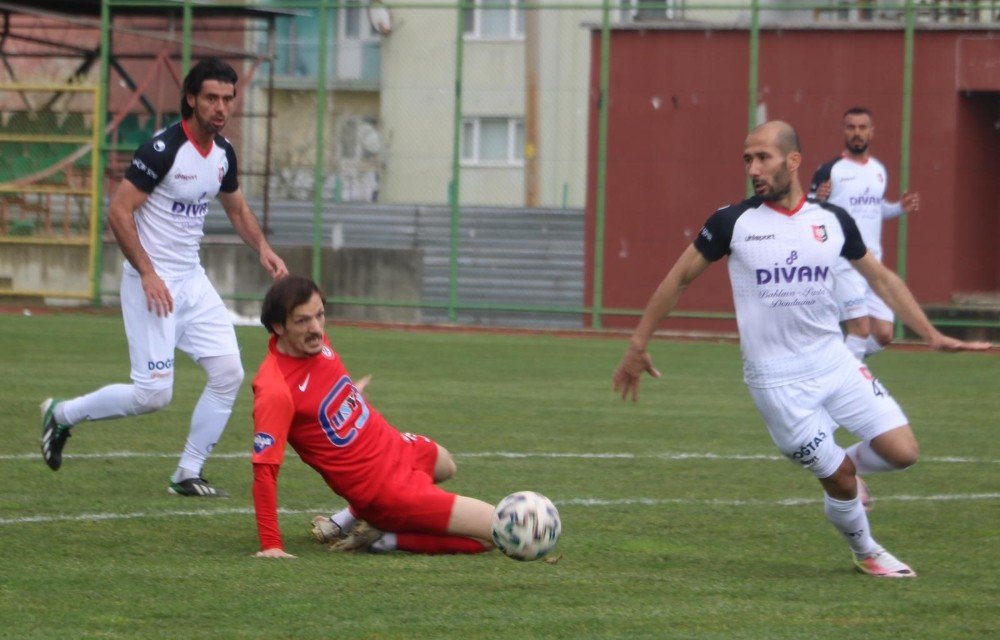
(326, 530)
(864, 494)
(196, 488)
(54, 435)
(882, 564)
(360, 538)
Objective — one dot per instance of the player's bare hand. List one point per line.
(952, 345)
(362, 383)
(910, 202)
(823, 191)
(273, 552)
(274, 265)
(158, 296)
(634, 363)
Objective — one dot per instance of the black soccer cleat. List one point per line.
(54, 435)
(196, 488)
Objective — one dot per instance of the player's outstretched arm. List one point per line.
(636, 360)
(897, 295)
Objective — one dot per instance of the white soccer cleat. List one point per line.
(882, 564)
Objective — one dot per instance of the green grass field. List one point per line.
(679, 519)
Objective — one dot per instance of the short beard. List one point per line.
(857, 150)
(781, 189)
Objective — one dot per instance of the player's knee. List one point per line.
(225, 375)
(905, 456)
(444, 466)
(883, 338)
(150, 400)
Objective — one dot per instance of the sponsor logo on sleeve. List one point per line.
(262, 441)
(159, 145)
(141, 166)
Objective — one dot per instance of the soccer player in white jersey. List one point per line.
(856, 182)
(782, 249)
(157, 215)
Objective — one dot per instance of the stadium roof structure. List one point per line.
(20, 22)
(92, 8)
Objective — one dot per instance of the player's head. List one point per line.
(207, 94)
(858, 130)
(772, 155)
(294, 311)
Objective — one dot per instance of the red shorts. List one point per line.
(408, 501)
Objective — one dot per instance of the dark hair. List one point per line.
(207, 69)
(857, 111)
(282, 298)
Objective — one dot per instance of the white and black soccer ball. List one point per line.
(526, 525)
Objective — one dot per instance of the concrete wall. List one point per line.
(386, 274)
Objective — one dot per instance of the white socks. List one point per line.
(860, 347)
(866, 461)
(857, 345)
(385, 544)
(849, 518)
(344, 519)
(872, 346)
(225, 374)
(112, 401)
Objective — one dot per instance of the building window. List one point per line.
(493, 141)
(650, 10)
(495, 20)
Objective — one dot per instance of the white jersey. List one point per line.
(181, 179)
(859, 189)
(781, 269)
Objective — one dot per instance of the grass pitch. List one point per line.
(679, 519)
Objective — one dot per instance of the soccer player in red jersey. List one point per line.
(304, 396)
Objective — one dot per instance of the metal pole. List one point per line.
(318, 173)
(269, 128)
(604, 104)
(99, 161)
(754, 73)
(532, 35)
(186, 43)
(456, 154)
(904, 160)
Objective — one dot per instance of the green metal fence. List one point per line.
(482, 103)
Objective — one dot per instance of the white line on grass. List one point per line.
(576, 502)
(506, 454)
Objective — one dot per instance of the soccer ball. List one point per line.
(526, 525)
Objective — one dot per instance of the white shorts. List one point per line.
(799, 415)
(199, 326)
(855, 299)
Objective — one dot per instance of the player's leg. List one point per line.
(856, 336)
(205, 332)
(860, 403)
(849, 293)
(327, 529)
(799, 425)
(151, 352)
(444, 465)
(415, 514)
(881, 326)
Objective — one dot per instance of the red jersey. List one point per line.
(312, 404)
